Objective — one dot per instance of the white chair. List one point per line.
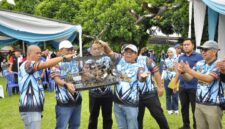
(1, 92)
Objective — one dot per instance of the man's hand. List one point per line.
(185, 66)
(178, 67)
(160, 91)
(143, 76)
(105, 46)
(70, 56)
(221, 66)
(71, 88)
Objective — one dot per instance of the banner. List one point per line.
(221, 37)
(212, 23)
(199, 19)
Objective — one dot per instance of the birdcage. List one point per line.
(94, 72)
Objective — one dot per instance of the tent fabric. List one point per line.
(199, 19)
(6, 49)
(33, 29)
(221, 37)
(216, 5)
(34, 37)
(190, 18)
(31, 24)
(6, 40)
(212, 23)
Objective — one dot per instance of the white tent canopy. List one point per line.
(216, 12)
(35, 29)
(31, 24)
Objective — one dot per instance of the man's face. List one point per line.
(208, 53)
(17, 53)
(178, 50)
(96, 50)
(86, 68)
(35, 54)
(46, 52)
(129, 55)
(66, 51)
(188, 46)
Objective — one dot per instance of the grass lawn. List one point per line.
(10, 118)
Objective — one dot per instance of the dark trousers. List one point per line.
(15, 90)
(94, 107)
(187, 96)
(154, 106)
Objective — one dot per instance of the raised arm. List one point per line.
(106, 47)
(52, 62)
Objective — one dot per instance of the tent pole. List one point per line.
(80, 41)
(190, 18)
(80, 45)
(23, 47)
(44, 45)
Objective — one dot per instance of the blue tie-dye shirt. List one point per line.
(103, 91)
(66, 70)
(168, 68)
(208, 93)
(126, 91)
(31, 89)
(149, 85)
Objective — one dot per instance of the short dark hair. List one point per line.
(186, 39)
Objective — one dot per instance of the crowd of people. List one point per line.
(200, 77)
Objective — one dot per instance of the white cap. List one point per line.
(132, 47)
(65, 44)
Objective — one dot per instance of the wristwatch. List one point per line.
(65, 86)
(63, 58)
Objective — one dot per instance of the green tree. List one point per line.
(25, 6)
(93, 15)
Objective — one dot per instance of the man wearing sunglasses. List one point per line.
(208, 114)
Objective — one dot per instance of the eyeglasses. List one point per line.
(129, 53)
(69, 49)
(204, 49)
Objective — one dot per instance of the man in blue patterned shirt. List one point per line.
(31, 100)
(68, 107)
(100, 97)
(126, 92)
(208, 114)
(149, 93)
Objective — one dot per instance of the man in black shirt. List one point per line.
(14, 62)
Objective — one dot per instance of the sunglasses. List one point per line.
(204, 49)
